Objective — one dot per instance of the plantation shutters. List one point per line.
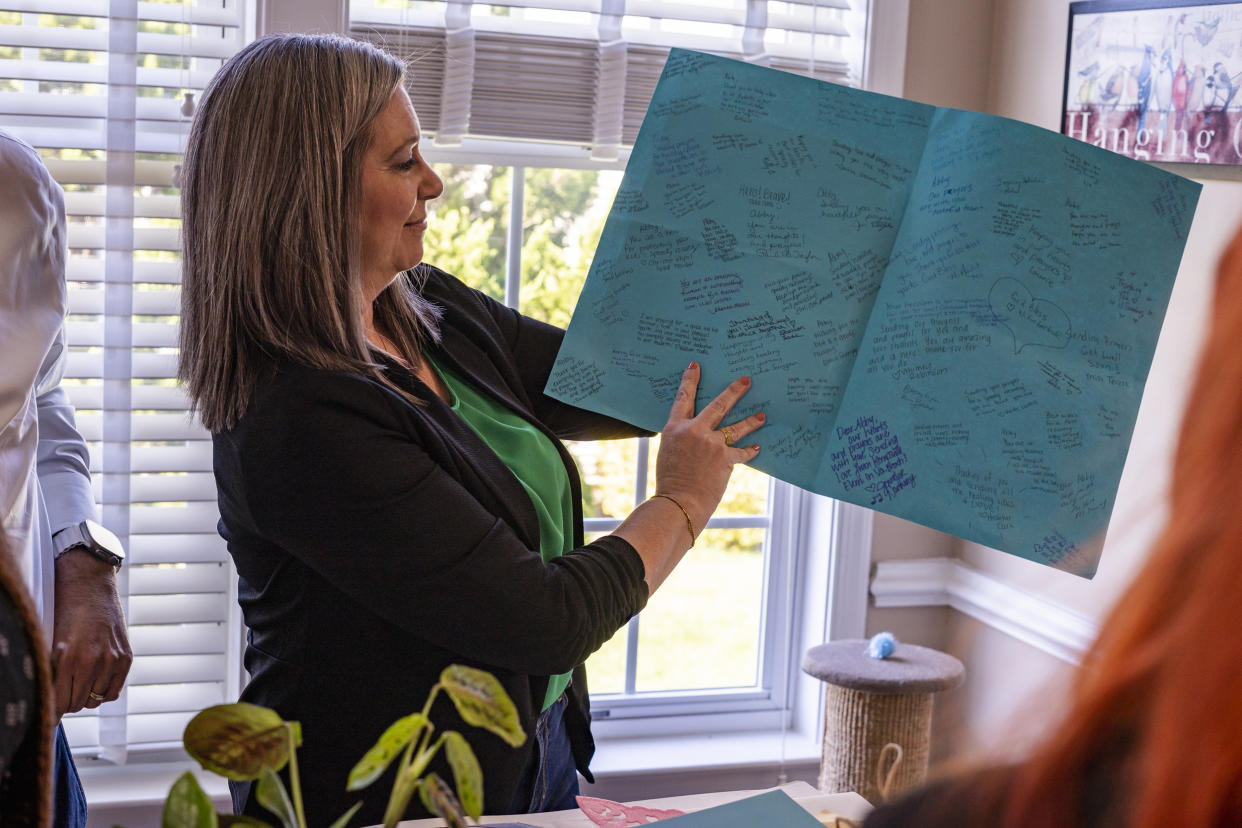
(582, 71)
(98, 87)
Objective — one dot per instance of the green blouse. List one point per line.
(537, 465)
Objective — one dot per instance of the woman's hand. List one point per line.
(696, 455)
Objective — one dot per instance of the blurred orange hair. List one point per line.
(1157, 708)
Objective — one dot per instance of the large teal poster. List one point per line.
(947, 316)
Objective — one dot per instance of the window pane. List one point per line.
(564, 216)
(466, 225)
(607, 468)
(701, 629)
(416, 5)
(747, 493)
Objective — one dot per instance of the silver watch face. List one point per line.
(103, 538)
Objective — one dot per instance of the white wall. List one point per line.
(1007, 57)
(948, 48)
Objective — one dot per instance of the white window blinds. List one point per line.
(99, 87)
(582, 71)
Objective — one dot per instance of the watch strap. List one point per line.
(79, 536)
(68, 538)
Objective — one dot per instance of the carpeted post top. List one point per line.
(910, 669)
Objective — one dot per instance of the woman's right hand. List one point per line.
(693, 466)
(696, 455)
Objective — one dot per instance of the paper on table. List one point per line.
(947, 316)
(773, 809)
(847, 805)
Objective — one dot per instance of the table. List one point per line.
(849, 805)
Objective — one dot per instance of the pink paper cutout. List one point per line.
(608, 814)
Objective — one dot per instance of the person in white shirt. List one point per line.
(67, 560)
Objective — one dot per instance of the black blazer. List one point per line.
(377, 542)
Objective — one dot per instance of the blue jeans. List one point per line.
(68, 799)
(555, 781)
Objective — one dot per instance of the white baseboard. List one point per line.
(931, 582)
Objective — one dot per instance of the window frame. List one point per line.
(809, 534)
(776, 702)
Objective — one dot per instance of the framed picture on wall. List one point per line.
(1156, 81)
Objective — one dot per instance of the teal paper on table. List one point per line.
(774, 809)
(947, 316)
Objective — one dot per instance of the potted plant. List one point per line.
(246, 742)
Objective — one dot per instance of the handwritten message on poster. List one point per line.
(947, 316)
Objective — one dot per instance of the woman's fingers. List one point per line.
(683, 403)
(716, 410)
(706, 425)
(707, 422)
(696, 458)
(733, 434)
(744, 454)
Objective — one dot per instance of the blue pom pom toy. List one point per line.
(881, 645)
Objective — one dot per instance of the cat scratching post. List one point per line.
(873, 701)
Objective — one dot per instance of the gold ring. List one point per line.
(727, 431)
(95, 696)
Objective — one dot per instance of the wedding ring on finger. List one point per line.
(95, 696)
(729, 437)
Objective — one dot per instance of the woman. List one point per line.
(1151, 738)
(391, 482)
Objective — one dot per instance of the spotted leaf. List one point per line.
(483, 702)
(238, 740)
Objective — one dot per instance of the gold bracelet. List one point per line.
(689, 524)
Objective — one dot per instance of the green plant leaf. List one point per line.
(392, 742)
(238, 740)
(438, 798)
(402, 790)
(467, 775)
(425, 796)
(241, 821)
(188, 805)
(483, 702)
(271, 793)
(345, 817)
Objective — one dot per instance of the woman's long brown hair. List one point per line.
(271, 204)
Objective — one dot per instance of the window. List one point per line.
(714, 604)
(100, 87)
(716, 638)
(556, 91)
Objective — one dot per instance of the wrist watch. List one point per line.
(93, 538)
